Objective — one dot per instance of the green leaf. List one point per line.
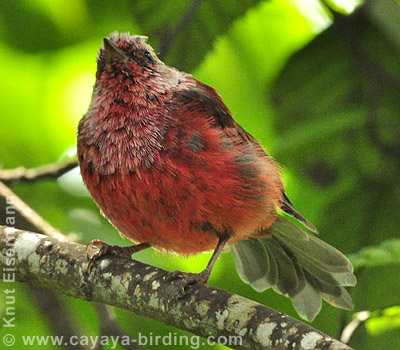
(193, 25)
(337, 115)
(384, 321)
(387, 253)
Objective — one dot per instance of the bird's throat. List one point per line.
(122, 137)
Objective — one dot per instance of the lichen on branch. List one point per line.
(128, 284)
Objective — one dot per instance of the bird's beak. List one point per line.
(113, 52)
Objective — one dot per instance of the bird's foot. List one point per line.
(106, 249)
(188, 278)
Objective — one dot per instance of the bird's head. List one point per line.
(127, 55)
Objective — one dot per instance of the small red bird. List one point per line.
(169, 167)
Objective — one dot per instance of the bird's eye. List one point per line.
(149, 57)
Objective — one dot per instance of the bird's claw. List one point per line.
(105, 249)
(187, 278)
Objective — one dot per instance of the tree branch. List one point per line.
(49, 171)
(358, 319)
(204, 310)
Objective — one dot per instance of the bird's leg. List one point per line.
(106, 249)
(203, 276)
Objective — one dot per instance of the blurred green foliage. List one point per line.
(384, 320)
(324, 104)
(384, 254)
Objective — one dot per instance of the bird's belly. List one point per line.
(185, 209)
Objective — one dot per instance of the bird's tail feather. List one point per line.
(296, 264)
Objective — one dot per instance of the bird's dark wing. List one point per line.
(289, 209)
(204, 100)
